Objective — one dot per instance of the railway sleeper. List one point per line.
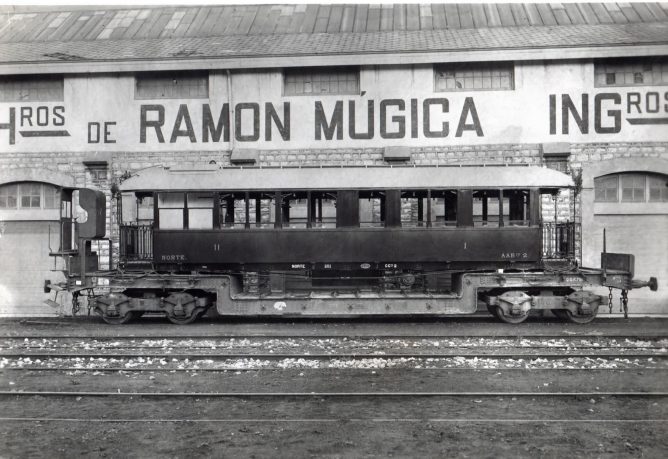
(179, 307)
(513, 306)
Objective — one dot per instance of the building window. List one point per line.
(557, 162)
(31, 88)
(8, 196)
(98, 172)
(172, 85)
(631, 187)
(325, 80)
(475, 76)
(51, 197)
(606, 188)
(29, 195)
(631, 72)
(658, 188)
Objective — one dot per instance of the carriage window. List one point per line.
(323, 209)
(414, 208)
(171, 206)
(233, 210)
(518, 207)
(370, 209)
(443, 208)
(136, 209)
(486, 208)
(200, 211)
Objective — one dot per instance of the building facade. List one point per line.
(87, 97)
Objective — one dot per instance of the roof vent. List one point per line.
(396, 154)
(247, 156)
(63, 56)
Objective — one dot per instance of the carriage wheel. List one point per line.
(119, 320)
(581, 319)
(185, 320)
(510, 319)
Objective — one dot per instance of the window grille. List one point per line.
(633, 72)
(176, 85)
(31, 88)
(465, 77)
(324, 80)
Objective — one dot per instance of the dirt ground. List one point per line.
(476, 426)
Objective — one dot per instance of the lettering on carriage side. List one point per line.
(514, 255)
(173, 257)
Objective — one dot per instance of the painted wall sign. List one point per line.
(397, 107)
(335, 125)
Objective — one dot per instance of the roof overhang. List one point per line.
(347, 178)
(316, 60)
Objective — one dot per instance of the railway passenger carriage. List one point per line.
(339, 241)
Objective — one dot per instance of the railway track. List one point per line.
(352, 335)
(326, 394)
(348, 356)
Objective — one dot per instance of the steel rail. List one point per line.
(265, 370)
(325, 394)
(335, 420)
(652, 337)
(454, 346)
(349, 356)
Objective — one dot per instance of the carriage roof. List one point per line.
(345, 178)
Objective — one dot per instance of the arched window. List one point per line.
(631, 187)
(29, 195)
